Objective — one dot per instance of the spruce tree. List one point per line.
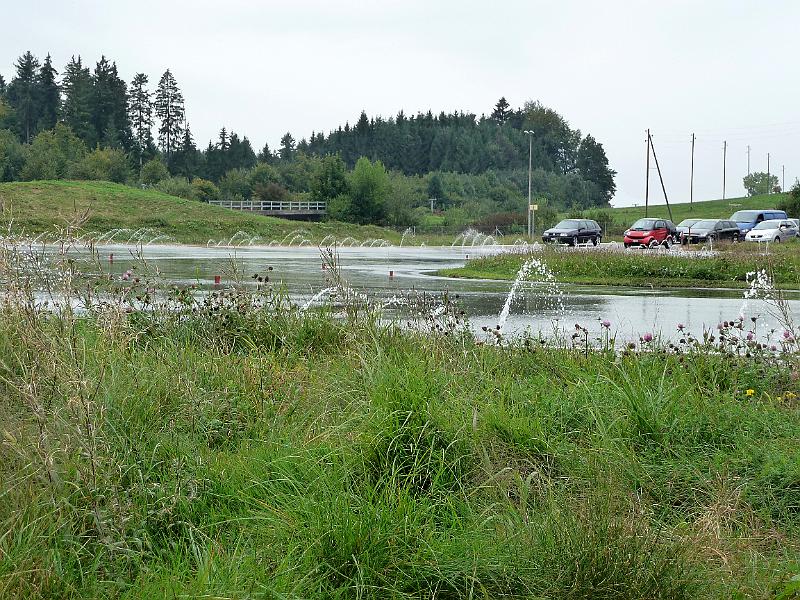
(186, 157)
(110, 105)
(49, 95)
(266, 155)
(170, 112)
(76, 111)
(140, 114)
(224, 141)
(23, 95)
(286, 151)
(2, 86)
(501, 111)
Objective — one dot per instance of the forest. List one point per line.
(447, 169)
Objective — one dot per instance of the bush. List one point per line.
(791, 203)
(52, 154)
(235, 184)
(153, 171)
(204, 190)
(108, 164)
(177, 186)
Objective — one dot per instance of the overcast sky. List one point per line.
(724, 69)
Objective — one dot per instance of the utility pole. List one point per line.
(724, 166)
(647, 179)
(748, 159)
(769, 191)
(783, 178)
(691, 179)
(530, 171)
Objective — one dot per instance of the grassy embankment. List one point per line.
(239, 454)
(45, 206)
(708, 209)
(637, 268)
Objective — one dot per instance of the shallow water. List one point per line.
(631, 311)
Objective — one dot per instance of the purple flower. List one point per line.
(749, 336)
(720, 326)
(774, 348)
(681, 326)
(606, 323)
(647, 337)
(787, 335)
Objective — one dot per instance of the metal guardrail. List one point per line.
(284, 206)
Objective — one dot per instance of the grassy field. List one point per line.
(44, 206)
(710, 209)
(228, 453)
(728, 269)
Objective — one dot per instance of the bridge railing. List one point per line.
(306, 206)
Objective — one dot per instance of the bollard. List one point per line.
(217, 279)
(467, 256)
(111, 257)
(391, 274)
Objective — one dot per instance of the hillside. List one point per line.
(709, 209)
(47, 206)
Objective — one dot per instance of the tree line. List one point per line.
(88, 123)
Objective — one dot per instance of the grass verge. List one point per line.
(727, 269)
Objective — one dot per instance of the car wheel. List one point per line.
(711, 238)
(667, 242)
(735, 238)
(653, 244)
(574, 242)
(595, 240)
(777, 240)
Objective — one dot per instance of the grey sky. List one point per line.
(723, 69)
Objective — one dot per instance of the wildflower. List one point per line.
(606, 323)
(774, 348)
(647, 337)
(750, 391)
(790, 395)
(681, 326)
(749, 336)
(787, 335)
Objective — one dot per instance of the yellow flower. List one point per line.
(750, 392)
(790, 395)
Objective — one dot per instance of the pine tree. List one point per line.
(186, 156)
(170, 112)
(23, 95)
(2, 86)
(140, 114)
(224, 142)
(49, 95)
(76, 111)
(501, 111)
(266, 155)
(110, 105)
(286, 151)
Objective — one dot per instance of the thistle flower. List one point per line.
(647, 337)
(606, 323)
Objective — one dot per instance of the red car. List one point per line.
(649, 233)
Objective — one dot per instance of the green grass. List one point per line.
(709, 209)
(44, 206)
(236, 454)
(728, 269)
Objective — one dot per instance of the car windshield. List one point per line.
(771, 224)
(688, 222)
(644, 225)
(568, 224)
(745, 216)
(705, 224)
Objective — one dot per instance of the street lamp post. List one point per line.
(529, 133)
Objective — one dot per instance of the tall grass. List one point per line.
(228, 451)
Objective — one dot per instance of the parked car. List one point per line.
(712, 230)
(683, 226)
(774, 230)
(574, 232)
(747, 219)
(650, 232)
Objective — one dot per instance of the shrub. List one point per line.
(108, 164)
(176, 186)
(153, 171)
(204, 190)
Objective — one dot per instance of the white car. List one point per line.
(773, 230)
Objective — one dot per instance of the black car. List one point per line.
(711, 230)
(574, 232)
